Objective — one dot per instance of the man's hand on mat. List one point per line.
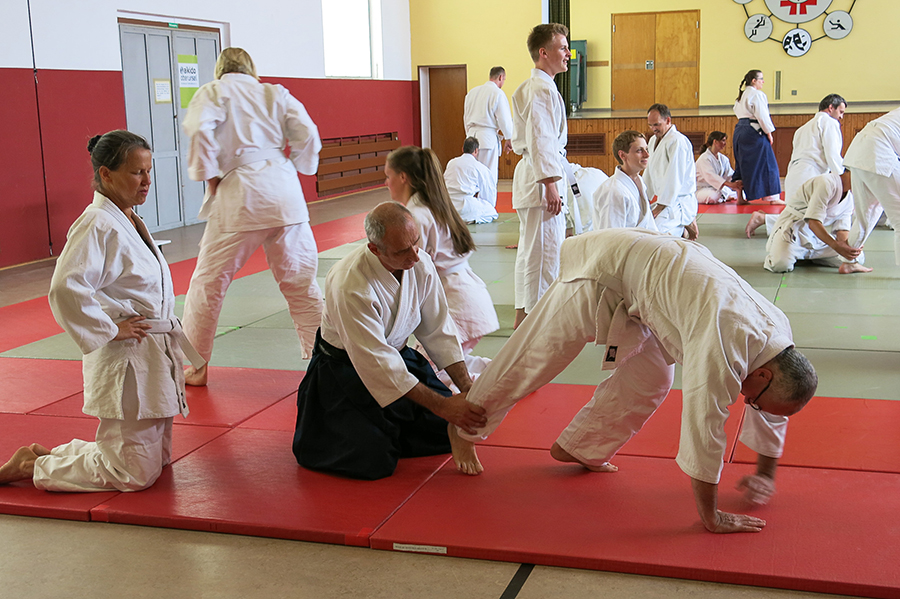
(757, 489)
(456, 410)
(726, 523)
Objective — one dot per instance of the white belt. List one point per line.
(446, 272)
(172, 327)
(251, 157)
(576, 212)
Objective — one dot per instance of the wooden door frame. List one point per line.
(425, 97)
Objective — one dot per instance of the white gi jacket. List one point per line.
(467, 296)
(754, 105)
(541, 134)
(703, 315)
(876, 148)
(712, 172)
(238, 129)
(106, 274)
(817, 150)
(589, 179)
(619, 203)
(370, 315)
(465, 177)
(485, 113)
(820, 199)
(671, 176)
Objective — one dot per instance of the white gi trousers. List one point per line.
(488, 149)
(790, 240)
(537, 260)
(127, 455)
(709, 195)
(873, 193)
(293, 259)
(544, 344)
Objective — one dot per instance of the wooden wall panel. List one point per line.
(613, 126)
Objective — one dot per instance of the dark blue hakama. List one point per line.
(754, 162)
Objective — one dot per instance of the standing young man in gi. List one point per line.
(541, 134)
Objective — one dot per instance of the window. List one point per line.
(352, 32)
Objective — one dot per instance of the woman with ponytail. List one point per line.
(714, 184)
(414, 178)
(754, 160)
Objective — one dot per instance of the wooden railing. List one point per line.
(348, 163)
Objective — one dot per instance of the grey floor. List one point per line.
(847, 325)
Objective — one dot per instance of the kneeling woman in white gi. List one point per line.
(112, 293)
(714, 172)
(413, 176)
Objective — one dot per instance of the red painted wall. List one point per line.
(76, 105)
(23, 226)
(347, 107)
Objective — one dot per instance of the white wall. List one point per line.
(284, 37)
(15, 39)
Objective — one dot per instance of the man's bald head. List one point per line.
(393, 236)
(385, 216)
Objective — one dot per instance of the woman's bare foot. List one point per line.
(19, 467)
(464, 455)
(777, 201)
(561, 455)
(757, 219)
(848, 268)
(196, 377)
(514, 246)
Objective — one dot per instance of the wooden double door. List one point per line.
(656, 58)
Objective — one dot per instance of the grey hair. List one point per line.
(383, 216)
(662, 109)
(797, 381)
(470, 145)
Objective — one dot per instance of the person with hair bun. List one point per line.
(112, 293)
(238, 129)
(754, 160)
(714, 171)
(414, 179)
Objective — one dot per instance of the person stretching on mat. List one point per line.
(368, 398)
(112, 293)
(654, 300)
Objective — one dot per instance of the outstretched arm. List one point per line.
(838, 243)
(707, 497)
(454, 409)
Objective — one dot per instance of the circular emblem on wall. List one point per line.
(788, 15)
(797, 42)
(758, 28)
(797, 11)
(838, 24)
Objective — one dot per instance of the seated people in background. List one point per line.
(817, 146)
(367, 398)
(714, 172)
(471, 186)
(588, 180)
(671, 176)
(621, 201)
(800, 232)
(654, 300)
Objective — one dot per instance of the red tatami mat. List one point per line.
(280, 417)
(26, 322)
(504, 202)
(247, 482)
(828, 531)
(851, 434)
(29, 384)
(339, 231)
(536, 421)
(232, 396)
(733, 208)
(23, 499)
(235, 394)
